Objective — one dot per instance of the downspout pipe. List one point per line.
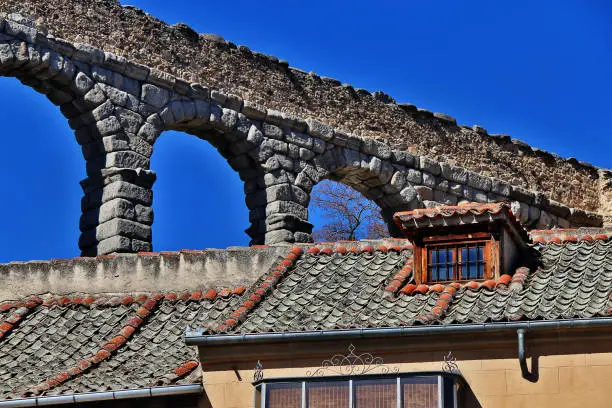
(532, 375)
(79, 399)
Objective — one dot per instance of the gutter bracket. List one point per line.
(533, 375)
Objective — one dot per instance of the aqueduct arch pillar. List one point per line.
(118, 109)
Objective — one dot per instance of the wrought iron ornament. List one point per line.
(352, 364)
(258, 372)
(450, 364)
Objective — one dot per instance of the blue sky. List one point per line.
(539, 71)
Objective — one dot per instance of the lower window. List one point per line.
(397, 391)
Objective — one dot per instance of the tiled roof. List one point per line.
(462, 214)
(81, 344)
(345, 289)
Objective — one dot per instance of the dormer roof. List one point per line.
(444, 218)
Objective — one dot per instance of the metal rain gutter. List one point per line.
(196, 337)
(103, 396)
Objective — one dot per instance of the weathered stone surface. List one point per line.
(255, 136)
(113, 97)
(318, 129)
(302, 237)
(429, 165)
(117, 208)
(288, 207)
(119, 226)
(306, 154)
(272, 131)
(143, 214)
(254, 110)
(229, 120)
(118, 189)
(453, 173)
(279, 237)
(398, 180)
(519, 193)
(479, 182)
(82, 83)
(129, 120)
(376, 148)
(154, 95)
(408, 194)
(300, 139)
(429, 180)
(414, 176)
(501, 188)
(425, 193)
(113, 244)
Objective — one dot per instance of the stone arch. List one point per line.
(74, 87)
(234, 136)
(385, 183)
(118, 109)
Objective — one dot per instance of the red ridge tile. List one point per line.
(270, 281)
(186, 368)
(104, 353)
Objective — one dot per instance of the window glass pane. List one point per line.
(376, 393)
(443, 258)
(328, 394)
(434, 274)
(461, 261)
(443, 275)
(471, 271)
(284, 395)
(473, 254)
(420, 392)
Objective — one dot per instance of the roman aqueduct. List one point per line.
(118, 107)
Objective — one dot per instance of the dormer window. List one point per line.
(467, 242)
(459, 260)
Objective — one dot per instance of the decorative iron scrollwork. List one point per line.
(258, 372)
(450, 364)
(352, 364)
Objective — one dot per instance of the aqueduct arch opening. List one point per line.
(198, 199)
(40, 165)
(118, 109)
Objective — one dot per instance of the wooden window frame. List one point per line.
(490, 254)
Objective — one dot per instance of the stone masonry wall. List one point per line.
(222, 65)
(119, 108)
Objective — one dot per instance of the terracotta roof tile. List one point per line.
(86, 343)
(467, 213)
(369, 289)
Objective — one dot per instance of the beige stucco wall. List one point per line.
(572, 380)
(142, 273)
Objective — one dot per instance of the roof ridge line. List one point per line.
(104, 353)
(260, 290)
(447, 295)
(125, 299)
(23, 309)
(179, 372)
(399, 279)
(555, 238)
